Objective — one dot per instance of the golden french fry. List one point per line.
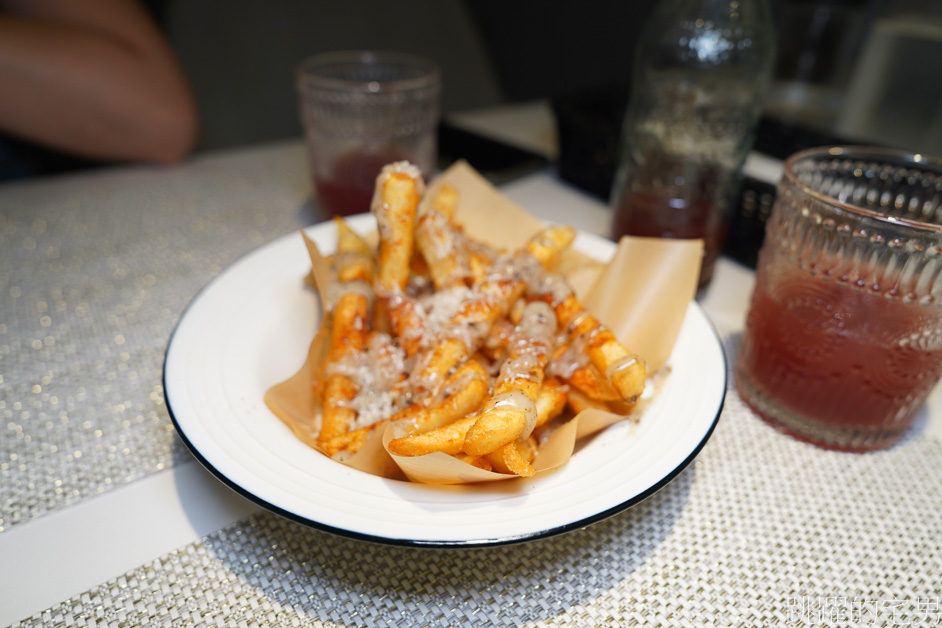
(495, 344)
(445, 201)
(590, 381)
(479, 264)
(448, 439)
(625, 371)
(394, 205)
(348, 335)
(463, 392)
(434, 366)
(354, 258)
(442, 250)
(549, 243)
(511, 410)
(514, 458)
(550, 401)
(350, 441)
(406, 321)
(336, 417)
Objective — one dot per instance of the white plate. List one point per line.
(250, 328)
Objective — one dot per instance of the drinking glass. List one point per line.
(361, 110)
(843, 340)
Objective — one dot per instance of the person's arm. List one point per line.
(94, 78)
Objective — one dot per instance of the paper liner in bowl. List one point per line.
(641, 295)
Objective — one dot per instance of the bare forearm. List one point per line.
(84, 90)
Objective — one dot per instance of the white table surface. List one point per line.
(65, 552)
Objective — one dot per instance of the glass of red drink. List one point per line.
(360, 111)
(843, 340)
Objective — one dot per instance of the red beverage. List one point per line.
(842, 368)
(348, 188)
(649, 214)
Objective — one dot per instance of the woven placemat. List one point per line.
(95, 271)
(761, 530)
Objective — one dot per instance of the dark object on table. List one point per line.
(496, 161)
(589, 127)
(588, 124)
(777, 139)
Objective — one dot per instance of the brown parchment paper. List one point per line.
(642, 295)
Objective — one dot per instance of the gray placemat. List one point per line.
(95, 271)
(761, 530)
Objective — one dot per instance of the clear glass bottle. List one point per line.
(702, 69)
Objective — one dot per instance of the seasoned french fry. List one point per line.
(551, 400)
(468, 328)
(398, 188)
(441, 248)
(549, 243)
(625, 371)
(448, 439)
(348, 334)
(514, 458)
(511, 411)
(430, 372)
(463, 392)
(445, 201)
(590, 381)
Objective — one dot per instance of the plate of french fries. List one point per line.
(447, 370)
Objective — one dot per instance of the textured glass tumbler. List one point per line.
(361, 110)
(843, 339)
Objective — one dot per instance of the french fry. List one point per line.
(448, 439)
(354, 258)
(490, 300)
(514, 458)
(549, 243)
(463, 392)
(551, 400)
(445, 201)
(625, 371)
(511, 413)
(591, 382)
(397, 195)
(442, 250)
(348, 334)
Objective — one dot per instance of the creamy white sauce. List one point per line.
(336, 290)
(620, 365)
(518, 401)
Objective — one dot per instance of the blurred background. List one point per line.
(864, 71)
(868, 70)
